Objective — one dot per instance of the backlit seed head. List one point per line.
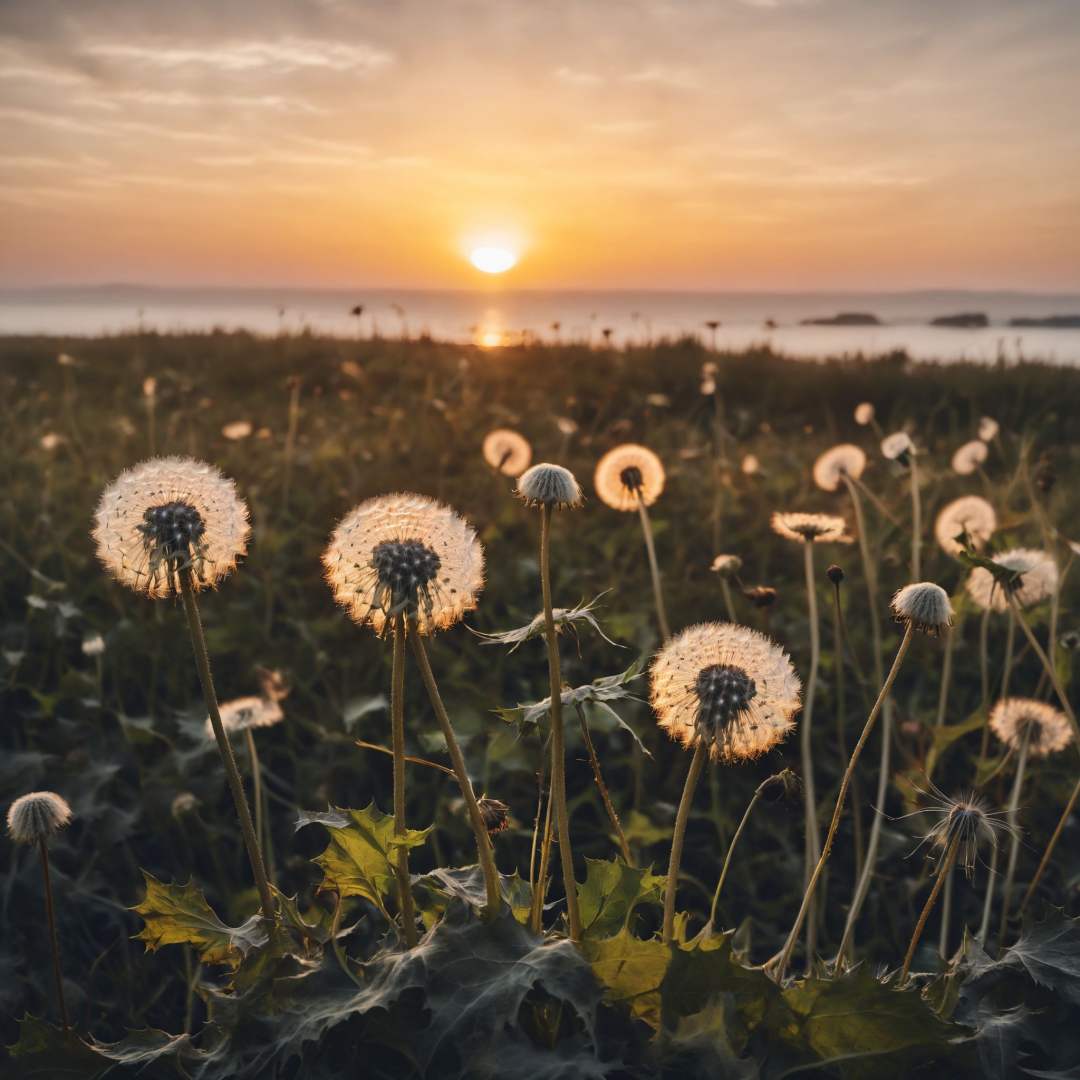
(549, 485)
(864, 413)
(727, 566)
(405, 554)
(1035, 579)
(1048, 729)
(726, 687)
(969, 457)
(750, 465)
(831, 467)
(923, 606)
(244, 713)
(967, 820)
(629, 476)
(898, 447)
(970, 517)
(761, 596)
(37, 816)
(988, 429)
(507, 451)
(810, 528)
(93, 645)
(167, 515)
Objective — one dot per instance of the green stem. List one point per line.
(869, 575)
(988, 899)
(1011, 815)
(946, 913)
(729, 607)
(232, 773)
(536, 915)
(397, 724)
(697, 762)
(558, 747)
(916, 521)
(946, 677)
(50, 915)
(483, 840)
(654, 570)
(811, 839)
(256, 785)
(758, 792)
(1070, 806)
(605, 795)
(939, 881)
(784, 957)
(339, 952)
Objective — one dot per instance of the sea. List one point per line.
(498, 317)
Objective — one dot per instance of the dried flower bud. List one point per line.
(835, 574)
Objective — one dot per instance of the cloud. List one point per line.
(659, 75)
(280, 55)
(574, 77)
(621, 127)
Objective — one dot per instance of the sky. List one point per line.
(695, 144)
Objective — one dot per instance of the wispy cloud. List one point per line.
(660, 75)
(576, 77)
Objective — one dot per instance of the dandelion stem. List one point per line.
(869, 575)
(1014, 842)
(758, 792)
(397, 725)
(1070, 806)
(558, 747)
(946, 676)
(916, 521)
(256, 785)
(784, 957)
(232, 773)
(946, 913)
(939, 881)
(339, 952)
(697, 762)
(654, 570)
(545, 752)
(483, 840)
(811, 840)
(50, 915)
(988, 900)
(536, 916)
(605, 795)
(729, 607)
(290, 441)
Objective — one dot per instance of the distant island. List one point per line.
(845, 318)
(967, 320)
(1051, 322)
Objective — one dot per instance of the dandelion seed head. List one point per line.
(166, 515)
(897, 446)
(184, 803)
(238, 429)
(405, 554)
(1037, 580)
(567, 425)
(246, 713)
(923, 606)
(628, 476)
(750, 465)
(967, 820)
(93, 645)
(969, 457)
(549, 485)
(988, 429)
(726, 687)
(971, 515)
(1048, 729)
(810, 528)
(495, 814)
(37, 816)
(845, 459)
(864, 413)
(51, 441)
(727, 566)
(507, 451)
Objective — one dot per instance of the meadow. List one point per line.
(168, 968)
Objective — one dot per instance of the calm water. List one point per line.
(495, 317)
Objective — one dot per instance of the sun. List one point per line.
(493, 260)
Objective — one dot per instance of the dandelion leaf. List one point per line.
(45, 1052)
(180, 915)
(631, 972)
(466, 883)
(612, 891)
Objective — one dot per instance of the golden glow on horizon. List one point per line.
(493, 260)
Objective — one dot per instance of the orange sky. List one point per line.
(729, 144)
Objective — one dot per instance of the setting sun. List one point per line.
(493, 260)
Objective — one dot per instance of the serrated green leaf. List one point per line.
(359, 859)
(180, 915)
(611, 892)
(466, 883)
(45, 1052)
(631, 971)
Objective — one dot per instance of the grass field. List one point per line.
(119, 731)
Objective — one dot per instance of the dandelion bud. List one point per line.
(988, 429)
(788, 781)
(898, 447)
(1070, 640)
(1045, 475)
(495, 813)
(93, 645)
(864, 413)
(184, 803)
(923, 606)
(761, 596)
(835, 574)
(37, 817)
(727, 566)
(549, 485)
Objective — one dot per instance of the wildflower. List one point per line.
(507, 452)
(406, 554)
(93, 645)
(970, 518)
(923, 606)
(727, 566)
(1035, 578)
(36, 817)
(811, 528)
(750, 465)
(726, 687)
(238, 429)
(169, 515)
(245, 713)
(897, 447)
(864, 413)
(969, 457)
(1047, 729)
(988, 429)
(831, 467)
(549, 485)
(628, 477)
